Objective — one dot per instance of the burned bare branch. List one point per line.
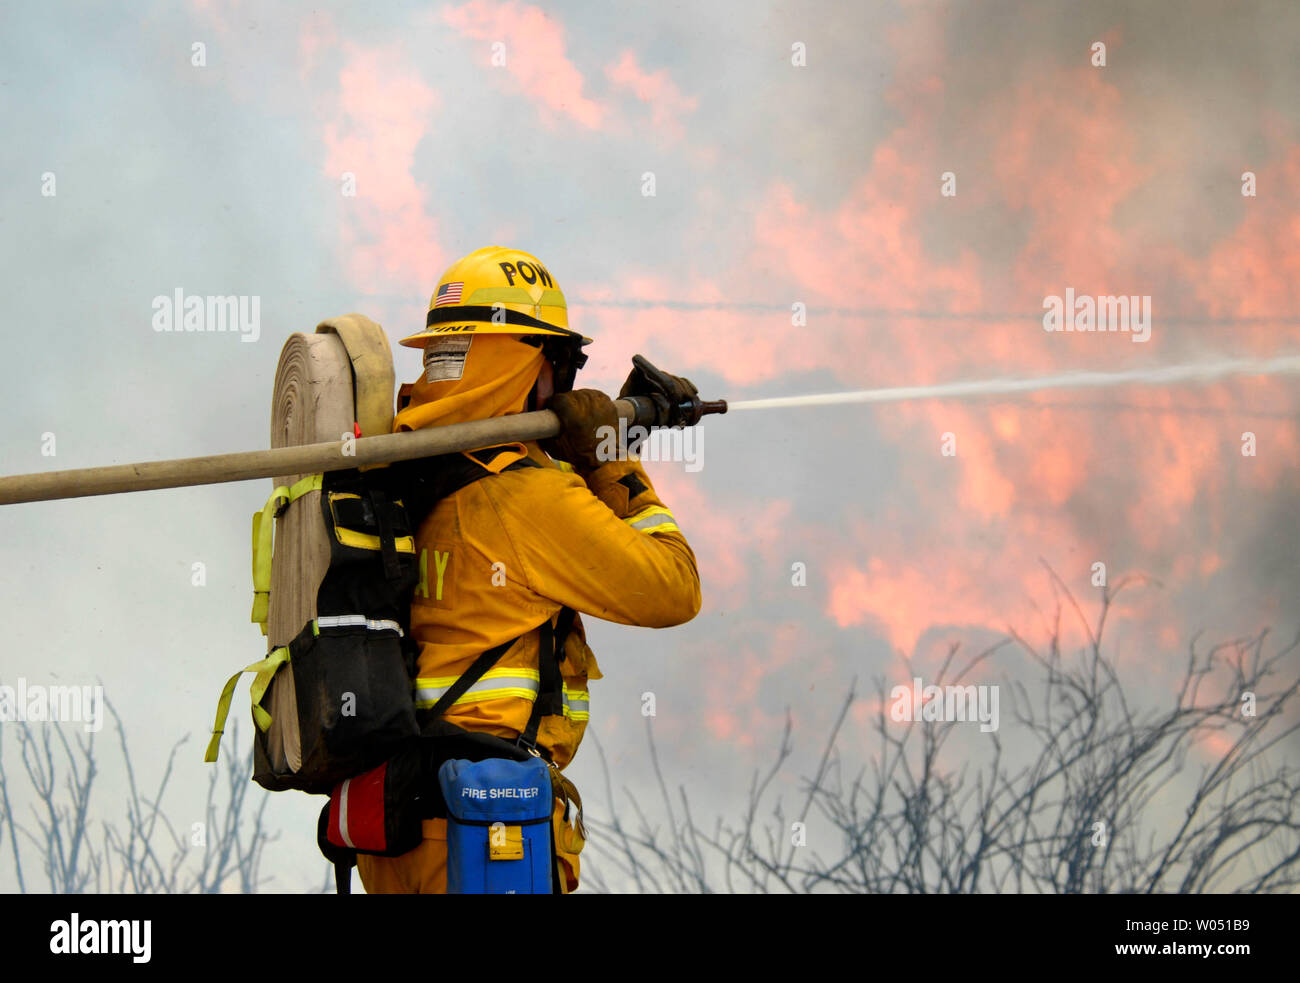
(1093, 795)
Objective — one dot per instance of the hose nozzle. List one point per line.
(664, 402)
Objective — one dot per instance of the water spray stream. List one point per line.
(1166, 375)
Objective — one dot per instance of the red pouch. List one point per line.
(379, 811)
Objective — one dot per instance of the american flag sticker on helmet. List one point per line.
(448, 293)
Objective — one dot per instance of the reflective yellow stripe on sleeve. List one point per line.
(653, 519)
(577, 705)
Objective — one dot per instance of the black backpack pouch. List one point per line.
(351, 667)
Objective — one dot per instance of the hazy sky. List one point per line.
(131, 172)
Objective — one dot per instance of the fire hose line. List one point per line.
(386, 448)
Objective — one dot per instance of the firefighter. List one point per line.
(551, 533)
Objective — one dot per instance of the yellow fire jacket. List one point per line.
(505, 553)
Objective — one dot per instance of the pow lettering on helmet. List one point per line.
(528, 272)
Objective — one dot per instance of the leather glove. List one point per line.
(674, 387)
(582, 413)
(666, 390)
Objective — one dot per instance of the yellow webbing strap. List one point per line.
(567, 793)
(265, 670)
(263, 527)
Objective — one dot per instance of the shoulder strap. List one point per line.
(549, 701)
(469, 677)
(550, 694)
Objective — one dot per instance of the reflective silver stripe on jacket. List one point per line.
(357, 621)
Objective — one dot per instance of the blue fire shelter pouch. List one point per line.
(498, 825)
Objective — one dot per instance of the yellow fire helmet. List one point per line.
(495, 290)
